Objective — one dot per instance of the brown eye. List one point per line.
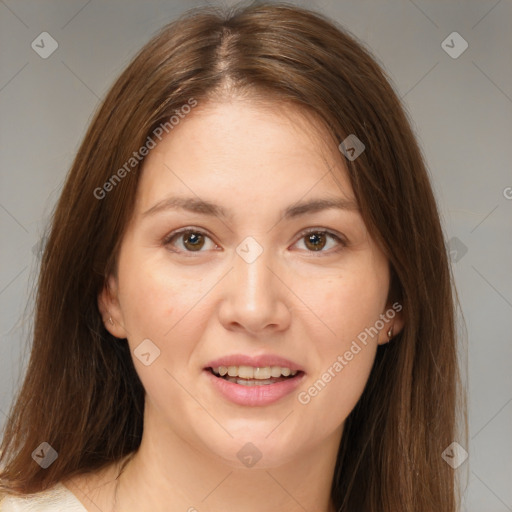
(315, 241)
(322, 242)
(193, 241)
(189, 240)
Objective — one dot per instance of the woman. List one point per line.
(245, 301)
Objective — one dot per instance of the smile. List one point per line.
(253, 376)
(255, 391)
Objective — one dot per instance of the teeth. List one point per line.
(250, 382)
(275, 371)
(251, 373)
(245, 372)
(232, 371)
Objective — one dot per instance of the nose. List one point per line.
(255, 299)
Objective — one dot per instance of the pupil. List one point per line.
(315, 245)
(194, 240)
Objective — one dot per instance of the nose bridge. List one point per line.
(253, 298)
(253, 279)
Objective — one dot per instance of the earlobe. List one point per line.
(110, 310)
(394, 323)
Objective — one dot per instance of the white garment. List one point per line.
(56, 499)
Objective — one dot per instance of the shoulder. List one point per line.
(57, 498)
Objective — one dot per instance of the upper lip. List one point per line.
(260, 361)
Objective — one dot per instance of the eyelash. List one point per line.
(341, 241)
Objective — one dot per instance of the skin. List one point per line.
(292, 301)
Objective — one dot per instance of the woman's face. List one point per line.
(248, 287)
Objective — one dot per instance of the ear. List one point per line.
(393, 318)
(110, 309)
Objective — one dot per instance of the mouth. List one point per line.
(255, 376)
(253, 380)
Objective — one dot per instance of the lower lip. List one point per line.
(254, 395)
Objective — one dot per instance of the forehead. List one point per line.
(245, 153)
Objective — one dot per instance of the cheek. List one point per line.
(147, 300)
(348, 301)
(157, 304)
(341, 362)
(151, 294)
(349, 304)
(161, 303)
(335, 392)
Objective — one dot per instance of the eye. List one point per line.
(192, 240)
(315, 240)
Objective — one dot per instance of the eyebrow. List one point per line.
(203, 207)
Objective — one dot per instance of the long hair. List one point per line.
(81, 393)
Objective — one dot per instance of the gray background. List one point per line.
(461, 109)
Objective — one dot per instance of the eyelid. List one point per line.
(181, 231)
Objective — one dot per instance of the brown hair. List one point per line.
(81, 393)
